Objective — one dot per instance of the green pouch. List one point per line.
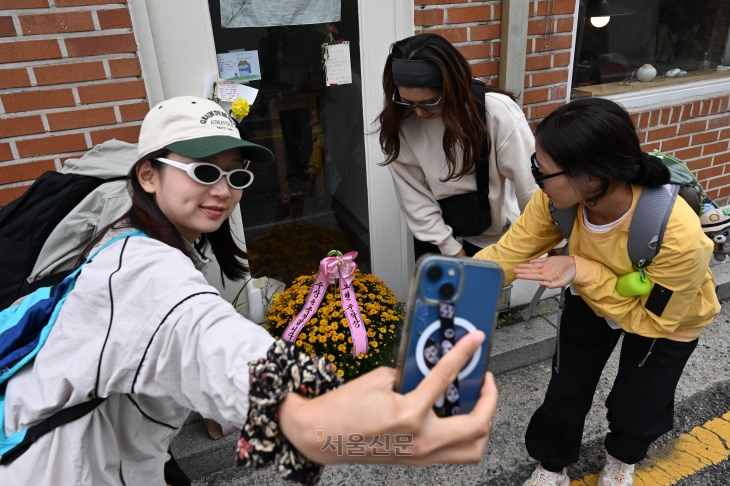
(633, 284)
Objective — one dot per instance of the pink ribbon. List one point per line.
(332, 268)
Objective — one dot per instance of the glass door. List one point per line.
(313, 198)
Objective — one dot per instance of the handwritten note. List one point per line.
(240, 66)
(338, 66)
(227, 92)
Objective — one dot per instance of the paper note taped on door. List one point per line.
(338, 66)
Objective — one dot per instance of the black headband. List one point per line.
(416, 74)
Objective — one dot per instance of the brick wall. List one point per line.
(69, 79)
(698, 133)
(475, 29)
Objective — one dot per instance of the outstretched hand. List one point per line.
(552, 272)
(369, 407)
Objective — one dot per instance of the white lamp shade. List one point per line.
(599, 21)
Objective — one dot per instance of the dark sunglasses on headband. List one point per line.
(539, 177)
(208, 174)
(413, 106)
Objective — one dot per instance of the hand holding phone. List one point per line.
(449, 298)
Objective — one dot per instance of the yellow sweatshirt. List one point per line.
(601, 258)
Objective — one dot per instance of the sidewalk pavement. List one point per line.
(516, 345)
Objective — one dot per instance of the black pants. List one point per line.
(420, 248)
(641, 402)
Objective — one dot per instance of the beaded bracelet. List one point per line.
(286, 368)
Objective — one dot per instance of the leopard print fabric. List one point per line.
(286, 368)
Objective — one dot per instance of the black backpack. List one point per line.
(26, 223)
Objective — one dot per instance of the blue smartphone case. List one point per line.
(476, 290)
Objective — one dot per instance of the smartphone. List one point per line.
(473, 286)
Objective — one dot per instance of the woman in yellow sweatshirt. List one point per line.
(587, 153)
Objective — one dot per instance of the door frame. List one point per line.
(181, 43)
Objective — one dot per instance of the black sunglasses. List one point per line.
(539, 177)
(413, 106)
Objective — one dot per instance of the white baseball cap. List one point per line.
(196, 128)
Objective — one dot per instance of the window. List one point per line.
(683, 40)
(313, 198)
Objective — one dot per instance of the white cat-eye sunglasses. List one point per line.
(209, 174)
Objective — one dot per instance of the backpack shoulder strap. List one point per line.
(649, 222)
(564, 218)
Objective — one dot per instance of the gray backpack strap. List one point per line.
(649, 222)
(564, 218)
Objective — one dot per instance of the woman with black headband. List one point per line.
(458, 150)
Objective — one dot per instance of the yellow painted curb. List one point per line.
(703, 446)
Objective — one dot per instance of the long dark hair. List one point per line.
(596, 137)
(463, 127)
(145, 215)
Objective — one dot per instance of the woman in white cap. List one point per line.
(142, 340)
(459, 151)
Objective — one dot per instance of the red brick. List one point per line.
(10, 194)
(538, 27)
(25, 171)
(69, 73)
(56, 144)
(134, 111)
(451, 35)
(5, 152)
(705, 107)
(495, 48)
(696, 106)
(100, 45)
(565, 25)
(125, 134)
(724, 103)
(561, 59)
(675, 143)
(718, 181)
(719, 122)
(562, 7)
(437, 2)
(686, 111)
(662, 133)
(654, 118)
(558, 92)
(77, 3)
(535, 96)
(426, 18)
(67, 120)
(689, 153)
(690, 127)
(642, 136)
(553, 43)
(497, 15)
(14, 78)
(643, 120)
(29, 50)
(676, 114)
(122, 68)
(114, 19)
(541, 111)
(486, 32)
(539, 62)
(705, 137)
(710, 172)
(478, 51)
(635, 118)
(488, 68)
(7, 28)
(550, 77)
(22, 125)
(666, 112)
(13, 4)
(721, 159)
(725, 134)
(38, 100)
(541, 9)
(715, 109)
(714, 148)
(100, 93)
(56, 23)
(530, 48)
(647, 147)
(469, 14)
